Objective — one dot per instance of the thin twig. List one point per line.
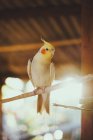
(24, 95)
(72, 107)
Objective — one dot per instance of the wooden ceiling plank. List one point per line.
(35, 12)
(75, 23)
(20, 30)
(26, 47)
(54, 2)
(65, 1)
(6, 4)
(67, 27)
(56, 26)
(8, 32)
(29, 29)
(47, 29)
(38, 27)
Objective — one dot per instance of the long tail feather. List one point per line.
(39, 103)
(47, 103)
(43, 103)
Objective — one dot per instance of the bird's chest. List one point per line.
(41, 74)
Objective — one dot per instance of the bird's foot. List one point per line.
(43, 89)
(39, 90)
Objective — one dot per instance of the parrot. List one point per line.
(41, 72)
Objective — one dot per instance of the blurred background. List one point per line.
(22, 24)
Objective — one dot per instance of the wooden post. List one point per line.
(87, 68)
(1, 129)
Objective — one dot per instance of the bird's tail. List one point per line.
(43, 103)
(39, 103)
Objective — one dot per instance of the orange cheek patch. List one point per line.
(43, 51)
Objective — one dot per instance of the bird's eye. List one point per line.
(47, 49)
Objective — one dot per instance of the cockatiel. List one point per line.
(41, 71)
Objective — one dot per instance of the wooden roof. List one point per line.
(24, 22)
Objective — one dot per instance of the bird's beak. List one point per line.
(43, 51)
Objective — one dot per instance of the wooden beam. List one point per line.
(45, 11)
(1, 128)
(1, 112)
(87, 68)
(26, 47)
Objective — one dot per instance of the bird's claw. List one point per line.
(43, 89)
(39, 90)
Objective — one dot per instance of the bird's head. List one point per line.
(47, 50)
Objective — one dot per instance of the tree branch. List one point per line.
(72, 107)
(33, 93)
(47, 89)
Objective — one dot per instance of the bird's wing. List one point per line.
(52, 72)
(29, 70)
